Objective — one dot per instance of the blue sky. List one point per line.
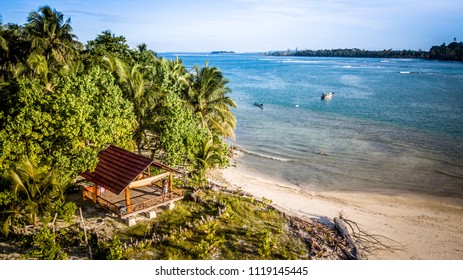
(257, 25)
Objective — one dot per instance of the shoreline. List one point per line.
(413, 227)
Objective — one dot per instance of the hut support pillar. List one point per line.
(127, 200)
(95, 193)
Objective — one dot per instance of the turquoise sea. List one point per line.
(394, 126)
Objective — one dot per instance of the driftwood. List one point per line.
(343, 231)
(371, 242)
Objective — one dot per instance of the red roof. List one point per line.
(117, 168)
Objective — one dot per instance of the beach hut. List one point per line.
(129, 184)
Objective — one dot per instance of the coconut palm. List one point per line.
(207, 157)
(208, 98)
(172, 75)
(35, 190)
(3, 42)
(73, 69)
(18, 48)
(3, 52)
(139, 90)
(51, 36)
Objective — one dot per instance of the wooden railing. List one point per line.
(102, 202)
(156, 200)
(139, 207)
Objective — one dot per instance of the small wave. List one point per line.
(405, 72)
(404, 59)
(300, 61)
(265, 156)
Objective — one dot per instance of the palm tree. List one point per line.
(3, 42)
(139, 90)
(51, 35)
(172, 75)
(207, 157)
(208, 98)
(73, 69)
(17, 49)
(3, 54)
(35, 190)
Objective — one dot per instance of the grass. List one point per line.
(218, 225)
(207, 224)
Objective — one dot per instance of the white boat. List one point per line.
(327, 95)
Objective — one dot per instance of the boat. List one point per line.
(261, 105)
(327, 95)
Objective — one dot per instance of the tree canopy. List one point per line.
(64, 129)
(452, 51)
(63, 101)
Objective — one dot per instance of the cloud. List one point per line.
(100, 16)
(249, 25)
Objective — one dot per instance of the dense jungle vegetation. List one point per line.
(63, 101)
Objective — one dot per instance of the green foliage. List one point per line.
(46, 247)
(66, 210)
(353, 53)
(202, 250)
(139, 91)
(212, 153)
(177, 133)
(6, 198)
(452, 51)
(243, 230)
(70, 236)
(107, 44)
(64, 129)
(34, 191)
(266, 243)
(208, 97)
(110, 250)
(59, 109)
(51, 35)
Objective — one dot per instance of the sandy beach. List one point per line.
(414, 227)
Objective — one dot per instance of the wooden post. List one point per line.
(98, 193)
(85, 234)
(170, 183)
(127, 200)
(53, 224)
(94, 192)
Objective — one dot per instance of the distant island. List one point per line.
(221, 52)
(450, 52)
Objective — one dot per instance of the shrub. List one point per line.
(46, 247)
(202, 250)
(66, 211)
(110, 250)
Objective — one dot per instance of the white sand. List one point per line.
(422, 228)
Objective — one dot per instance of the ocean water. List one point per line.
(394, 126)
